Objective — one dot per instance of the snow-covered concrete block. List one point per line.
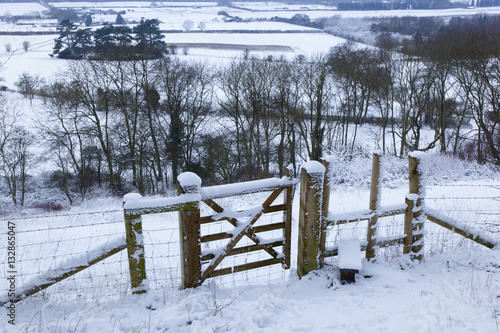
(349, 259)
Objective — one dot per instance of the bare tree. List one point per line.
(286, 102)
(188, 25)
(29, 85)
(16, 161)
(353, 71)
(383, 77)
(316, 85)
(66, 134)
(230, 81)
(91, 91)
(150, 81)
(260, 122)
(413, 97)
(187, 88)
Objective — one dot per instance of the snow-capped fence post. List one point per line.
(327, 163)
(415, 216)
(135, 249)
(374, 205)
(310, 217)
(189, 226)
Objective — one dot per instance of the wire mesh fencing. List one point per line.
(474, 206)
(48, 246)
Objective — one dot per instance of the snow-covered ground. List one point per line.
(26, 8)
(448, 293)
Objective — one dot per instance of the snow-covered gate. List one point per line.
(198, 265)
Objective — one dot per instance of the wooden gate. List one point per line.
(243, 223)
(192, 240)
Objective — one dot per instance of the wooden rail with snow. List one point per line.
(460, 228)
(190, 196)
(68, 269)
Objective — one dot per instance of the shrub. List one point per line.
(49, 206)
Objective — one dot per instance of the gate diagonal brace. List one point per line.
(245, 231)
(212, 204)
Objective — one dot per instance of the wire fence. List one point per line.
(46, 245)
(473, 205)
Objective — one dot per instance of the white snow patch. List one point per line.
(313, 167)
(221, 191)
(130, 197)
(420, 155)
(350, 254)
(161, 202)
(237, 215)
(188, 178)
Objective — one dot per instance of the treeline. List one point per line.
(118, 42)
(412, 4)
(375, 5)
(300, 19)
(408, 25)
(127, 124)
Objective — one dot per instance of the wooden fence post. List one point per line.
(135, 250)
(310, 217)
(287, 217)
(189, 226)
(327, 163)
(415, 217)
(375, 191)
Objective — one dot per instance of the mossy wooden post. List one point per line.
(135, 249)
(371, 235)
(310, 217)
(287, 217)
(408, 226)
(415, 217)
(328, 164)
(189, 226)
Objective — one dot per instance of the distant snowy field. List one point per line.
(37, 60)
(300, 40)
(23, 8)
